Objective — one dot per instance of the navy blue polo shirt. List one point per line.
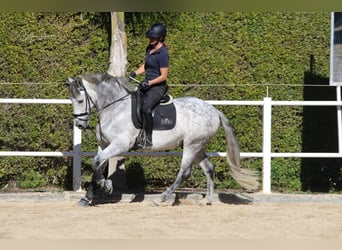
(155, 61)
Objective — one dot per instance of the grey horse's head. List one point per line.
(87, 91)
(82, 102)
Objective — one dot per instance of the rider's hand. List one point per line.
(132, 74)
(144, 85)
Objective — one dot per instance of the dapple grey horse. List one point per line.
(197, 122)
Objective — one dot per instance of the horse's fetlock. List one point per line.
(108, 186)
(101, 183)
(105, 185)
(165, 195)
(90, 191)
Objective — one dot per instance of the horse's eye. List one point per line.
(80, 100)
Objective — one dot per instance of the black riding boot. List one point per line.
(148, 128)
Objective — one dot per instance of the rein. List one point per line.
(110, 104)
(90, 101)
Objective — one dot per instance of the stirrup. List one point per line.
(144, 144)
(142, 141)
(148, 143)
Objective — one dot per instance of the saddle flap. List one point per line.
(136, 109)
(164, 114)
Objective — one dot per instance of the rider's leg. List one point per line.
(148, 127)
(151, 99)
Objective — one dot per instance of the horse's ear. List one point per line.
(74, 88)
(67, 83)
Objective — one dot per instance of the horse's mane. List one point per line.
(105, 77)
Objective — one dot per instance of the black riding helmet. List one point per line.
(156, 30)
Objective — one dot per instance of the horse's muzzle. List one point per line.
(81, 124)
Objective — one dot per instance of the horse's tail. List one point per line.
(245, 177)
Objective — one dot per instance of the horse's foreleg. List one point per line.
(85, 201)
(98, 181)
(98, 176)
(99, 167)
(101, 162)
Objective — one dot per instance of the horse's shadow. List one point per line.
(221, 197)
(117, 197)
(177, 199)
(231, 198)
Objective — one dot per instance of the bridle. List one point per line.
(90, 101)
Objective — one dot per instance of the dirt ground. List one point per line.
(32, 219)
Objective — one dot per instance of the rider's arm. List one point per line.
(161, 78)
(141, 69)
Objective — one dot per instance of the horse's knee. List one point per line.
(96, 163)
(99, 164)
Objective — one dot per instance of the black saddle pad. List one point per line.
(164, 116)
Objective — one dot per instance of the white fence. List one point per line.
(266, 153)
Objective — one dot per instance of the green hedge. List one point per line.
(218, 56)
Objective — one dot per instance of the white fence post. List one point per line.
(267, 133)
(77, 158)
(339, 118)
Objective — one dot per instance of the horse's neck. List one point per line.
(110, 95)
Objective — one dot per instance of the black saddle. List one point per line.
(164, 114)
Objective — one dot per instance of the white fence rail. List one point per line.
(266, 154)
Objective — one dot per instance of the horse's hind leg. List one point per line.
(208, 170)
(184, 173)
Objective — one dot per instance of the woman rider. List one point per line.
(153, 87)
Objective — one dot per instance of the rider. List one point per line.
(153, 87)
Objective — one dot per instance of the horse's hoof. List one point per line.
(155, 203)
(209, 201)
(84, 202)
(205, 202)
(163, 197)
(159, 203)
